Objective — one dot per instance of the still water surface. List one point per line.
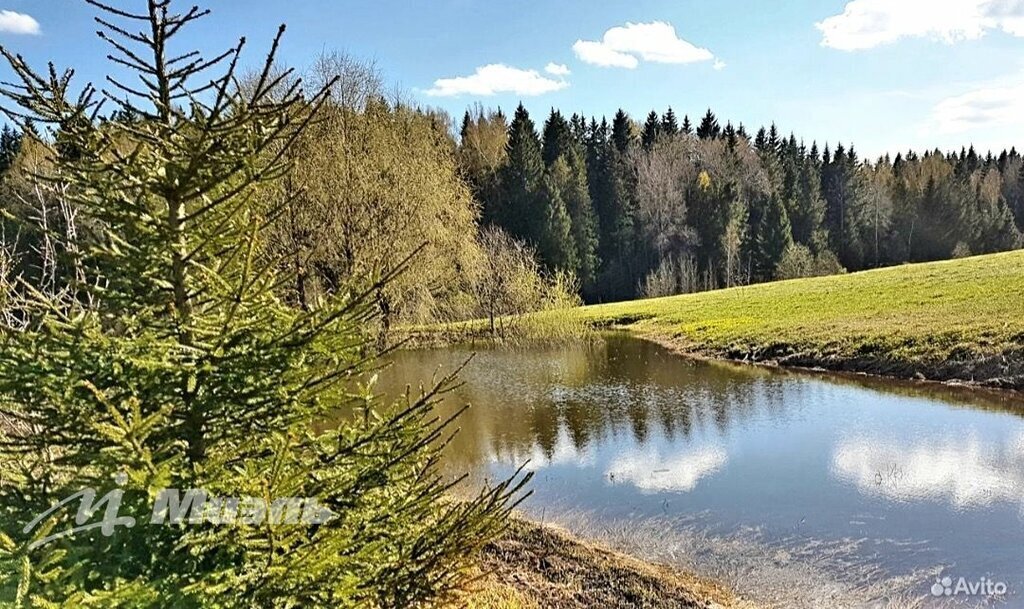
(798, 489)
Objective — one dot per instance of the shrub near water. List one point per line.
(161, 357)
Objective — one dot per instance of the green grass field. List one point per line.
(959, 319)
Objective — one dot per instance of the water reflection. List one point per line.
(902, 479)
(527, 404)
(563, 452)
(966, 472)
(649, 470)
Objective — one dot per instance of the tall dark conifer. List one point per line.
(10, 145)
(807, 211)
(553, 235)
(1017, 201)
(651, 132)
(669, 124)
(584, 220)
(521, 179)
(687, 127)
(709, 127)
(622, 131)
(558, 138)
(772, 237)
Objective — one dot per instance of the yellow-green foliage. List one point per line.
(378, 182)
(926, 318)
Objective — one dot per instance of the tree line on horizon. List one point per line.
(667, 207)
(509, 216)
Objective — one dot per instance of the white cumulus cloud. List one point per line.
(719, 64)
(557, 69)
(989, 106)
(18, 23)
(496, 78)
(625, 46)
(865, 24)
(600, 55)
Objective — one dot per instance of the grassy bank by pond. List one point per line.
(953, 320)
(958, 320)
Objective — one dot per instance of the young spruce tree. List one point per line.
(167, 360)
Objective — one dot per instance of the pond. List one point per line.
(796, 489)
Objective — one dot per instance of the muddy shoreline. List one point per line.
(1004, 377)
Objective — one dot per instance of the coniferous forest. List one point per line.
(669, 206)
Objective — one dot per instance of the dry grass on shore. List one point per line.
(538, 567)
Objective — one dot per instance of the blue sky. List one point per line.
(885, 74)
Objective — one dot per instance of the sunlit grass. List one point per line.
(926, 318)
(957, 319)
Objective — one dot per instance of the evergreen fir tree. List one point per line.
(1012, 187)
(848, 209)
(651, 131)
(595, 146)
(993, 228)
(169, 361)
(467, 123)
(584, 221)
(554, 238)
(578, 126)
(669, 125)
(566, 181)
(521, 180)
(807, 213)
(709, 128)
(557, 138)
(10, 145)
(838, 191)
(772, 237)
(731, 139)
(687, 127)
(940, 220)
(761, 141)
(774, 143)
(1017, 202)
(622, 132)
(597, 150)
(613, 193)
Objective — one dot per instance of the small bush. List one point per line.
(798, 261)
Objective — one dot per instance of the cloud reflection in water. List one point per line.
(649, 470)
(964, 472)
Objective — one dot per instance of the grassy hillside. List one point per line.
(959, 319)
